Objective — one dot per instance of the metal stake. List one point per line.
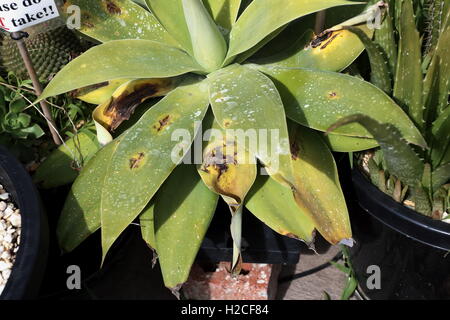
(18, 38)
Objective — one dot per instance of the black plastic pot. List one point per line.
(27, 272)
(411, 250)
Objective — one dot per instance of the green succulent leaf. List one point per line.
(380, 74)
(440, 152)
(81, 213)
(317, 190)
(340, 143)
(208, 45)
(246, 100)
(171, 15)
(440, 176)
(437, 80)
(255, 24)
(117, 20)
(147, 222)
(142, 58)
(385, 38)
(146, 156)
(62, 165)
(401, 159)
(224, 12)
(275, 205)
(408, 84)
(317, 99)
(184, 208)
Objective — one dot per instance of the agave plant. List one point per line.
(415, 72)
(196, 54)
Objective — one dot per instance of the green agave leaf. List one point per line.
(408, 84)
(142, 58)
(274, 205)
(401, 159)
(261, 18)
(146, 156)
(340, 143)
(184, 208)
(171, 15)
(224, 12)
(62, 165)
(317, 190)
(380, 74)
(209, 46)
(118, 19)
(147, 222)
(317, 99)
(246, 100)
(441, 145)
(81, 213)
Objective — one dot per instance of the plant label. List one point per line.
(16, 15)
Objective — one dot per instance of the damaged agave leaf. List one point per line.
(255, 24)
(125, 99)
(98, 93)
(315, 51)
(317, 189)
(230, 171)
(145, 157)
(246, 102)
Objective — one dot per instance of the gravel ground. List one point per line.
(10, 225)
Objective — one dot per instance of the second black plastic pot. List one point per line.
(410, 250)
(31, 258)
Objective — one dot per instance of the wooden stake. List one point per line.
(18, 38)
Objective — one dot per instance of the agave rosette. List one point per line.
(195, 53)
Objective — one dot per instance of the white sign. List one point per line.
(16, 15)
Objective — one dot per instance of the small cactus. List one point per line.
(49, 52)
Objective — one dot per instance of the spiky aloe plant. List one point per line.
(195, 53)
(415, 71)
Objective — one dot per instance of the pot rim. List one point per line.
(398, 217)
(24, 278)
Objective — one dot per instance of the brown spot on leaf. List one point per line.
(112, 8)
(123, 106)
(328, 42)
(162, 123)
(332, 95)
(219, 159)
(317, 40)
(136, 160)
(227, 123)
